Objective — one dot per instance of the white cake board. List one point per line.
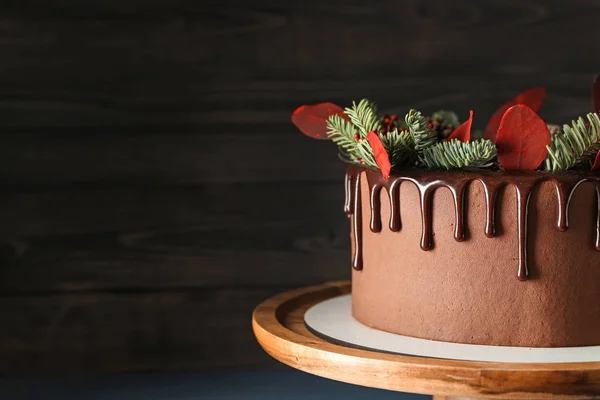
(333, 320)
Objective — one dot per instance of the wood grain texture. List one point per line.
(82, 237)
(165, 63)
(166, 157)
(146, 150)
(279, 327)
(120, 331)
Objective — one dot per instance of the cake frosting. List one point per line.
(477, 257)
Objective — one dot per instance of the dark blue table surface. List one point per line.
(288, 384)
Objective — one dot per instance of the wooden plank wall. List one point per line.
(153, 190)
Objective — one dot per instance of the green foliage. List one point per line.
(400, 147)
(455, 154)
(341, 132)
(364, 117)
(575, 145)
(419, 128)
(414, 145)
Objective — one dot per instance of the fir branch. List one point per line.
(366, 153)
(400, 147)
(575, 145)
(364, 117)
(419, 128)
(342, 132)
(455, 154)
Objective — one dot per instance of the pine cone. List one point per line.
(440, 127)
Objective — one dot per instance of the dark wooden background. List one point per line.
(152, 187)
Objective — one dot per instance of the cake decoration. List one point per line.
(516, 138)
(518, 149)
(532, 98)
(522, 139)
(443, 123)
(463, 131)
(312, 119)
(381, 157)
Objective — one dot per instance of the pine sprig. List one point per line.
(342, 132)
(366, 153)
(455, 154)
(575, 145)
(351, 137)
(400, 147)
(364, 116)
(419, 128)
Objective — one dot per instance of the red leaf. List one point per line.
(522, 139)
(533, 98)
(463, 131)
(312, 119)
(596, 94)
(381, 156)
(596, 165)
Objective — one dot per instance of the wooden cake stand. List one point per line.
(279, 327)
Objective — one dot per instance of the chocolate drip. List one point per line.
(426, 220)
(456, 182)
(375, 195)
(564, 190)
(356, 204)
(597, 184)
(491, 192)
(523, 196)
(458, 194)
(348, 179)
(394, 193)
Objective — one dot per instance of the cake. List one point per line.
(488, 237)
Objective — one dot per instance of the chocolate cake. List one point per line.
(495, 259)
(492, 241)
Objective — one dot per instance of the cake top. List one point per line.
(515, 138)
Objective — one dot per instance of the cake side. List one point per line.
(467, 291)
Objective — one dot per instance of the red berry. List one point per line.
(356, 136)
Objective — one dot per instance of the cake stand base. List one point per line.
(280, 329)
(454, 398)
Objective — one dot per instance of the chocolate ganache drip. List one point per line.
(457, 182)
